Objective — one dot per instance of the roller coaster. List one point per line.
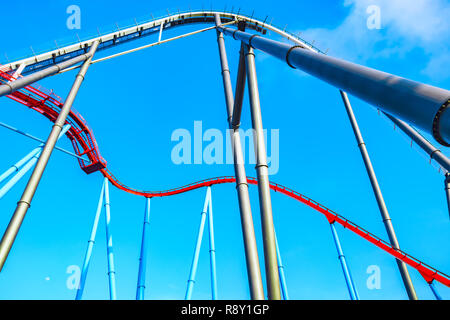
(407, 103)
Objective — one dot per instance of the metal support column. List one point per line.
(193, 272)
(25, 201)
(248, 230)
(347, 275)
(109, 245)
(91, 242)
(284, 289)
(270, 252)
(379, 197)
(212, 250)
(433, 289)
(25, 165)
(447, 190)
(143, 254)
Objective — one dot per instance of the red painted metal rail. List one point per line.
(82, 138)
(49, 105)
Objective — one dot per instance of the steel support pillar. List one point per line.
(248, 230)
(143, 255)
(193, 271)
(212, 251)
(447, 190)
(27, 196)
(379, 197)
(347, 275)
(91, 242)
(433, 289)
(109, 245)
(27, 164)
(284, 289)
(270, 252)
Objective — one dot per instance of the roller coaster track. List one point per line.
(84, 144)
(48, 106)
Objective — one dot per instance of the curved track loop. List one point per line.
(83, 142)
(429, 273)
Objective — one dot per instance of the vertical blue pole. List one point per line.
(143, 255)
(433, 288)
(91, 241)
(284, 289)
(348, 278)
(191, 281)
(109, 246)
(212, 250)
(32, 158)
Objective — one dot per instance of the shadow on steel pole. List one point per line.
(248, 229)
(379, 196)
(265, 204)
(25, 201)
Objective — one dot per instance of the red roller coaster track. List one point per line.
(83, 141)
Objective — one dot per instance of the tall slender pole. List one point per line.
(91, 242)
(433, 289)
(25, 201)
(212, 251)
(379, 197)
(193, 272)
(447, 190)
(284, 289)
(109, 245)
(248, 229)
(143, 254)
(348, 277)
(27, 167)
(265, 204)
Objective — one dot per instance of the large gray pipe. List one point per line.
(20, 83)
(422, 105)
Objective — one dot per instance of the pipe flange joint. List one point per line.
(287, 56)
(234, 34)
(436, 127)
(250, 40)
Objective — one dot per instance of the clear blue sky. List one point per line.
(134, 103)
